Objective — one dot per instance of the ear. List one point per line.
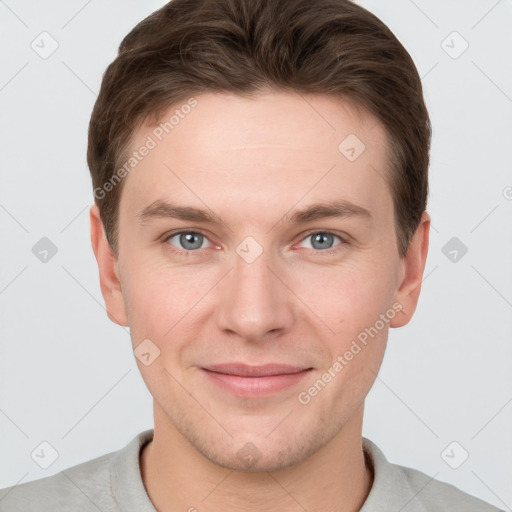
(411, 273)
(108, 269)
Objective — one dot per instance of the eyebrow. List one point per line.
(332, 209)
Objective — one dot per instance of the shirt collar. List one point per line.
(390, 489)
(126, 479)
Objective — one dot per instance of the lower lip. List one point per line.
(255, 386)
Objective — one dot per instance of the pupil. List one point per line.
(188, 238)
(321, 238)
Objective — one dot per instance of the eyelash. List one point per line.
(325, 252)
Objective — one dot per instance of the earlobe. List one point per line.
(411, 275)
(108, 267)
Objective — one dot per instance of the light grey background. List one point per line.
(68, 375)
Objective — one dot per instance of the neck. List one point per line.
(177, 477)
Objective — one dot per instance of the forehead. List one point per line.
(278, 146)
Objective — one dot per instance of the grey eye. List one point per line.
(189, 240)
(321, 240)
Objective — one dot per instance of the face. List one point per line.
(297, 271)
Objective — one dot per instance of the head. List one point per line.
(300, 131)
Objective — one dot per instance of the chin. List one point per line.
(255, 457)
(263, 452)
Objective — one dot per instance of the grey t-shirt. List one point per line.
(113, 483)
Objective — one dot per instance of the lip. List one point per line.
(254, 381)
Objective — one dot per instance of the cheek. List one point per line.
(359, 374)
(161, 303)
(346, 297)
(159, 296)
(364, 312)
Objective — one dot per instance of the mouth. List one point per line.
(255, 381)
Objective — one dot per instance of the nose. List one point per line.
(255, 302)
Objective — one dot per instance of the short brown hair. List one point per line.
(332, 47)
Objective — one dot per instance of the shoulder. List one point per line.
(407, 489)
(436, 495)
(81, 487)
(90, 486)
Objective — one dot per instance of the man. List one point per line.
(260, 179)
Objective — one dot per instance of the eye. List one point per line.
(322, 240)
(187, 241)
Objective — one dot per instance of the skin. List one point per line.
(251, 161)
